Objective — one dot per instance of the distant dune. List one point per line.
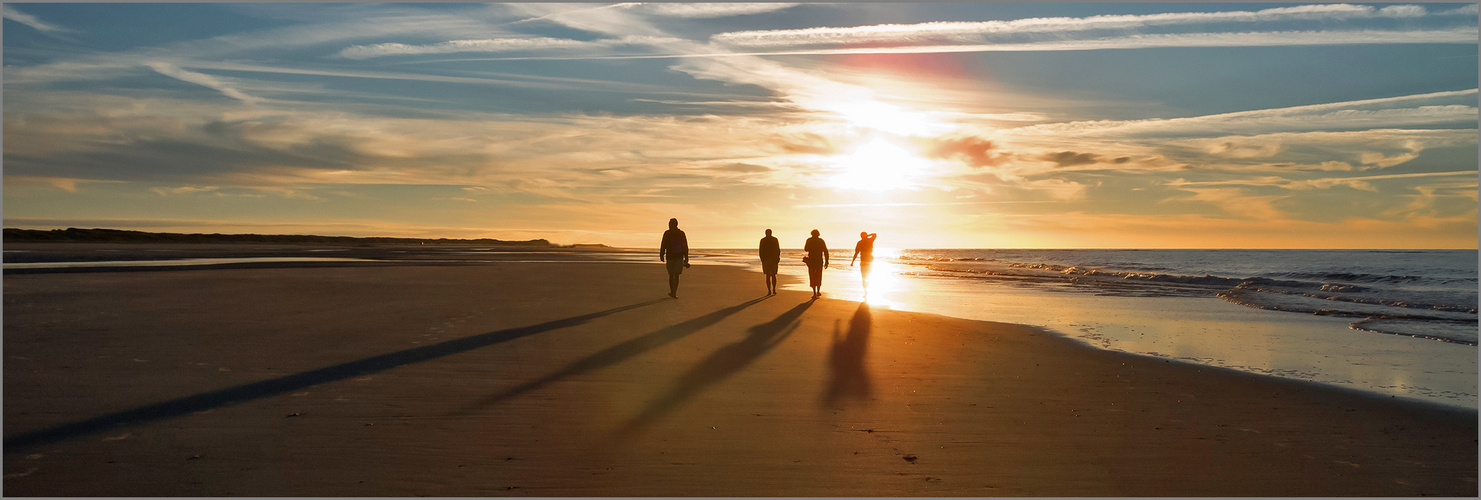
(72, 234)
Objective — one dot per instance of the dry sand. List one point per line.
(583, 379)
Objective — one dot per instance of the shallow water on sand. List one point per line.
(1203, 330)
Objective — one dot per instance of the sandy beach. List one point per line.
(582, 378)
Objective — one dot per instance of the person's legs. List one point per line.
(675, 268)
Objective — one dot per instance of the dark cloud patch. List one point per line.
(978, 152)
(1121, 160)
(211, 150)
(164, 159)
(807, 143)
(1071, 158)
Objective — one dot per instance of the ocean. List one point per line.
(1397, 322)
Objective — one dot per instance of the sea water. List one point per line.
(1396, 322)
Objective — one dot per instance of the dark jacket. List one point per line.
(674, 245)
(771, 249)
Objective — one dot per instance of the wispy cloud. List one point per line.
(1236, 202)
(1147, 41)
(969, 32)
(911, 204)
(707, 10)
(68, 184)
(491, 79)
(1462, 35)
(203, 80)
(1464, 10)
(185, 190)
(1367, 113)
(496, 45)
(12, 14)
(1356, 182)
(369, 22)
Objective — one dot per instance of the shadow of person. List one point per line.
(718, 366)
(273, 387)
(848, 377)
(616, 354)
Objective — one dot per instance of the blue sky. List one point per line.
(934, 124)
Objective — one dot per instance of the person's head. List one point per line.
(863, 234)
(768, 232)
(673, 223)
(815, 232)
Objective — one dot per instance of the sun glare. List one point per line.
(885, 284)
(887, 118)
(878, 165)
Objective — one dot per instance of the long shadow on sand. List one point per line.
(617, 353)
(849, 379)
(273, 387)
(719, 366)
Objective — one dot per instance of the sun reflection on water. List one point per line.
(886, 286)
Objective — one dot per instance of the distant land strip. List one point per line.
(72, 234)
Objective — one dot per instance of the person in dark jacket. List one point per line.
(771, 256)
(675, 247)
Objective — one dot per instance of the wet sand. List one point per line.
(584, 379)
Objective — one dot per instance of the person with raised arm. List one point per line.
(864, 248)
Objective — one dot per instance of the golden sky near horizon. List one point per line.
(958, 125)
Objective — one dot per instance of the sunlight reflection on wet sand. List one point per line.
(1206, 331)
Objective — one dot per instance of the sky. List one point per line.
(935, 125)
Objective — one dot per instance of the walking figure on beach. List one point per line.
(771, 256)
(864, 248)
(817, 261)
(676, 248)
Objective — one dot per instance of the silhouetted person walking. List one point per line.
(817, 261)
(676, 248)
(771, 256)
(864, 248)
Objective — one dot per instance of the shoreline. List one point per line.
(1290, 345)
(620, 394)
(39, 258)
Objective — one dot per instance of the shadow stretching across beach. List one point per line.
(617, 353)
(849, 379)
(720, 365)
(273, 387)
